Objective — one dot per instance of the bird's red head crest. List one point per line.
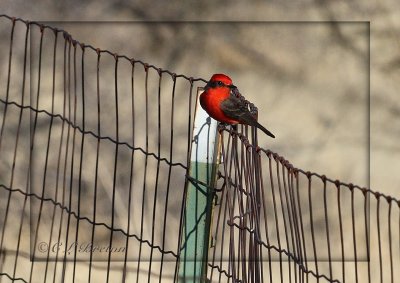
(218, 81)
(221, 77)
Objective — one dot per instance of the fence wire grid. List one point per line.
(93, 166)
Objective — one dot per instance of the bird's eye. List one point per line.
(220, 83)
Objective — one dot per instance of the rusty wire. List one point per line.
(272, 222)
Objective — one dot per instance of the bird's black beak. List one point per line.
(207, 86)
(232, 86)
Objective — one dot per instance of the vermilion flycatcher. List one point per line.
(223, 102)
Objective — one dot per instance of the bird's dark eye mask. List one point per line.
(214, 84)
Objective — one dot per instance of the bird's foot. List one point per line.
(222, 125)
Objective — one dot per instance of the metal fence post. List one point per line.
(199, 200)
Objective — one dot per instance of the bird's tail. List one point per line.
(264, 130)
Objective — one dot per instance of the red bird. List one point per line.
(223, 102)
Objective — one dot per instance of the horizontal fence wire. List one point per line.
(278, 223)
(92, 180)
(93, 169)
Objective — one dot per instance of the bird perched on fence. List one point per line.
(223, 102)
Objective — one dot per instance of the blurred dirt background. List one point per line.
(324, 74)
(309, 80)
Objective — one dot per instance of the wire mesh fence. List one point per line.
(94, 160)
(278, 223)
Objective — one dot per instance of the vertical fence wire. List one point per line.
(332, 245)
(2, 129)
(94, 170)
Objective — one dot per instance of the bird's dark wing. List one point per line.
(237, 108)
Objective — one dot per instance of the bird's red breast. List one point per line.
(212, 97)
(223, 102)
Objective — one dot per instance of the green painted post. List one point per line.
(199, 201)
